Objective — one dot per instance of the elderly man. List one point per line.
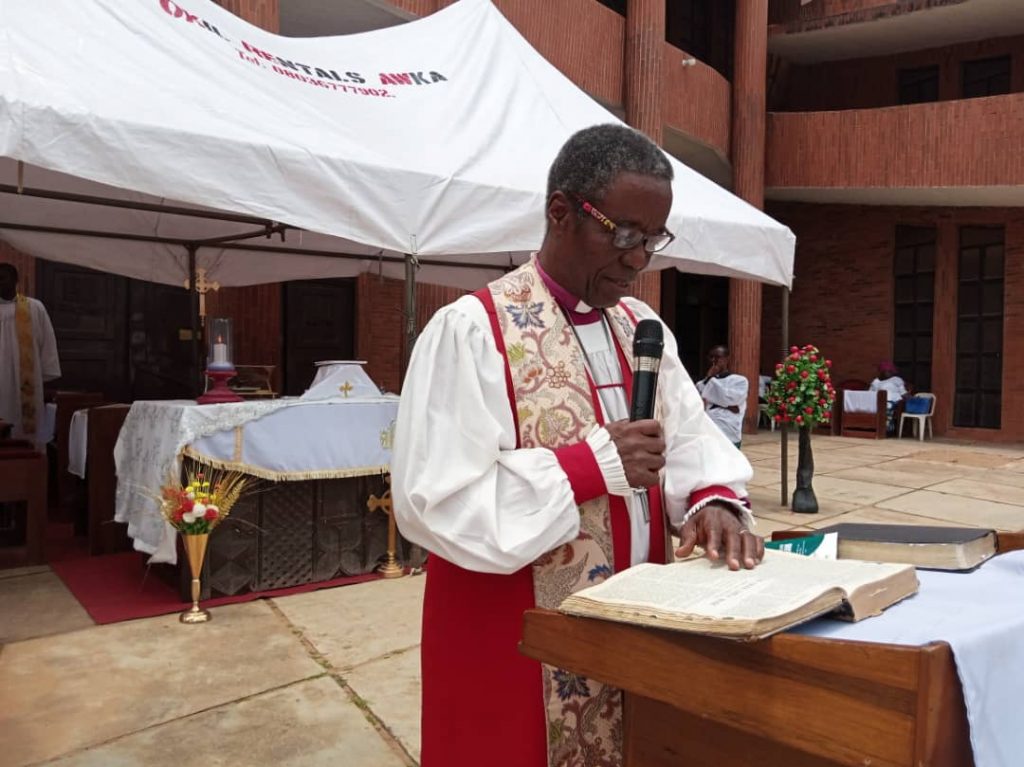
(28, 357)
(515, 466)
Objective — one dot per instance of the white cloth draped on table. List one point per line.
(981, 615)
(857, 401)
(276, 439)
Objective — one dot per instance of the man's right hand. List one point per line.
(641, 447)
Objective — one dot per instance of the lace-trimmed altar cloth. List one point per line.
(286, 439)
(981, 616)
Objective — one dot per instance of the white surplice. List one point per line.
(722, 393)
(47, 366)
(461, 489)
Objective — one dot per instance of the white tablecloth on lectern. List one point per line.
(981, 615)
(285, 439)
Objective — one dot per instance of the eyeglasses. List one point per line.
(628, 237)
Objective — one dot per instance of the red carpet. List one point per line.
(117, 587)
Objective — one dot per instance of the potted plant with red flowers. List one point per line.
(801, 393)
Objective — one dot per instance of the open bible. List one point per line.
(705, 597)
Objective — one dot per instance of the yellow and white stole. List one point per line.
(26, 365)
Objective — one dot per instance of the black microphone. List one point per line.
(648, 345)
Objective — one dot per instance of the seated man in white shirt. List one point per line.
(895, 390)
(725, 395)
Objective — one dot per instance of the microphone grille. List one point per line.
(648, 341)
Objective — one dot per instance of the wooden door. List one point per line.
(979, 342)
(319, 324)
(697, 309)
(87, 309)
(160, 354)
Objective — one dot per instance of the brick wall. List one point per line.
(256, 311)
(842, 296)
(872, 82)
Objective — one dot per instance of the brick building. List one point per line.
(885, 133)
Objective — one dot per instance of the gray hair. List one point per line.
(592, 158)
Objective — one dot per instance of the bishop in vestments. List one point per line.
(515, 465)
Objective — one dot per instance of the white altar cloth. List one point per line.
(275, 439)
(856, 401)
(981, 615)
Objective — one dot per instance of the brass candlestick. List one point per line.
(195, 548)
(391, 567)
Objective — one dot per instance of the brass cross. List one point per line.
(345, 388)
(383, 502)
(202, 287)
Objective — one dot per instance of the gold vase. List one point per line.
(195, 549)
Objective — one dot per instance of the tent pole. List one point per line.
(409, 312)
(193, 295)
(784, 462)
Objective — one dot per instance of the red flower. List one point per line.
(794, 349)
(210, 515)
(813, 358)
(809, 410)
(791, 385)
(177, 515)
(822, 402)
(186, 504)
(794, 356)
(804, 374)
(790, 368)
(828, 363)
(799, 419)
(821, 375)
(778, 418)
(792, 399)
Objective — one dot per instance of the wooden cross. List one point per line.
(345, 388)
(202, 287)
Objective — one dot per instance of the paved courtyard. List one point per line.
(332, 677)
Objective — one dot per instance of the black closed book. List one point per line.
(928, 546)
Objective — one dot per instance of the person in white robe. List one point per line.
(24, 323)
(491, 511)
(725, 395)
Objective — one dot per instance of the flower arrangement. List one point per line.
(801, 391)
(203, 502)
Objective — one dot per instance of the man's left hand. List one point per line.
(720, 533)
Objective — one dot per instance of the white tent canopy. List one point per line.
(431, 138)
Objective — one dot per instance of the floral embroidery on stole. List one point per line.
(554, 406)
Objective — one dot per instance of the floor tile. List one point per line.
(983, 488)
(355, 624)
(885, 474)
(37, 605)
(853, 491)
(954, 508)
(876, 516)
(965, 456)
(308, 724)
(826, 509)
(390, 687)
(84, 688)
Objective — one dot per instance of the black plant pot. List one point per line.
(804, 501)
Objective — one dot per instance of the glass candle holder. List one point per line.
(221, 346)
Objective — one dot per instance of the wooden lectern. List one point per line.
(787, 701)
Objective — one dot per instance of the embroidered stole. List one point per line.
(554, 403)
(26, 365)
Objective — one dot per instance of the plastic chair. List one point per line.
(920, 420)
(763, 416)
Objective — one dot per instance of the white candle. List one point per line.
(220, 353)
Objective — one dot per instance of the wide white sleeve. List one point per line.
(46, 343)
(701, 464)
(461, 489)
(730, 391)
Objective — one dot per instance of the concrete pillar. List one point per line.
(748, 142)
(643, 59)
